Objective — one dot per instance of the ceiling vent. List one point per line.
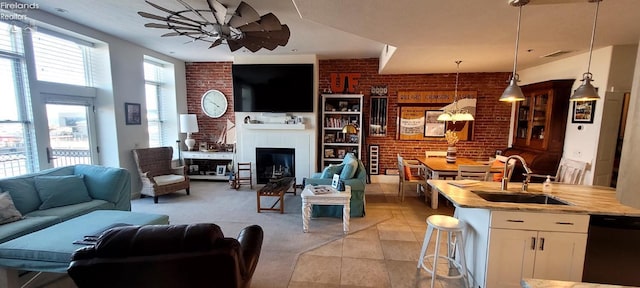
(555, 54)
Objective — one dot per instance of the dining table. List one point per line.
(438, 168)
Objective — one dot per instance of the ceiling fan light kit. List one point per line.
(513, 92)
(586, 91)
(242, 27)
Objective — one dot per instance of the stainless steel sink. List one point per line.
(526, 198)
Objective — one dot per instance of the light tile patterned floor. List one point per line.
(384, 255)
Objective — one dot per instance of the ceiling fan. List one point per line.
(239, 27)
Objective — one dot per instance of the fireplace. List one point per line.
(274, 162)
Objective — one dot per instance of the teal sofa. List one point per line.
(352, 172)
(55, 195)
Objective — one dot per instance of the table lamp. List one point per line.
(189, 124)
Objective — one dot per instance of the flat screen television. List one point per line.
(272, 87)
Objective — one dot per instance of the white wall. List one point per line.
(628, 180)
(582, 144)
(120, 80)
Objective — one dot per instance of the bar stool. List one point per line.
(454, 228)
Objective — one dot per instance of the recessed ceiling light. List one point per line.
(62, 10)
(294, 50)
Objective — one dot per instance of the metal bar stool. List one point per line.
(454, 228)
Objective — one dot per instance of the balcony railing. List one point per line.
(15, 163)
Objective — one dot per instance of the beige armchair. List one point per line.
(157, 174)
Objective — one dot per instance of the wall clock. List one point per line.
(214, 103)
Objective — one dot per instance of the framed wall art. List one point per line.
(132, 114)
(221, 170)
(433, 127)
(583, 111)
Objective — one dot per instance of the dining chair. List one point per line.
(409, 173)
(473, 172)
(497, 176)
(570, 171)
(428, 154)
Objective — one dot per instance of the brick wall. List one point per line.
(202, 77)
(491, 127)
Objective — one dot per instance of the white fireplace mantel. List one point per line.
(301, 137)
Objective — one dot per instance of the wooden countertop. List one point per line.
(540, 283)
(594, 200)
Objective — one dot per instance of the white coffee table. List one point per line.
(333, 198)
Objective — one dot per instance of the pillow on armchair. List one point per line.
(328, 171)
(350, 163)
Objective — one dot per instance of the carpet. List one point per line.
(233, 210)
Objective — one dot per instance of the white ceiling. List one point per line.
(429, 34)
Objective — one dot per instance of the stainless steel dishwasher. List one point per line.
(612, 255)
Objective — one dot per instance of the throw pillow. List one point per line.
(56, 191)
(328, 171)
(350, 168)
(8, 211)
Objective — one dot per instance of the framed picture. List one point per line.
(221, 170)
(335, 181)
(583, 111)
(329, 153)
(433, 127)
(203, 146)
(132, 114)
(341, 153)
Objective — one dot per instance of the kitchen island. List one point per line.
(506, 242)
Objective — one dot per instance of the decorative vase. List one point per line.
(451, 154)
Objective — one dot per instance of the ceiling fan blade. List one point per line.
(244, 15)
(253, 46)
(216, 43)
(234, 44)
(268, 22)
(286, 34)
(156, 17)
(218, 10)
(166, 10)
(165, 26)
(179, 34)
(186, 5)
(281, 37)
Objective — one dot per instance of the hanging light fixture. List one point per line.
(456, 114)
(586, 91)
(513, 92)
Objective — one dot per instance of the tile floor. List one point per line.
(384, 255)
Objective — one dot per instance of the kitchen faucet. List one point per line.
(525, 182)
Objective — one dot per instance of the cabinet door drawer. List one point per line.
(540, 221)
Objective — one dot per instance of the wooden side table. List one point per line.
(333, 198)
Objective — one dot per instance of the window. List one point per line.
(153, 91)
(15, 124)
(62, 59)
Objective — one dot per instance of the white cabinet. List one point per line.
(516, 254)
(339, 110)
(208, 165)
(515, 245)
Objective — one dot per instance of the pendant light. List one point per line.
(456, 114)
(513, 92)
(586, 91)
